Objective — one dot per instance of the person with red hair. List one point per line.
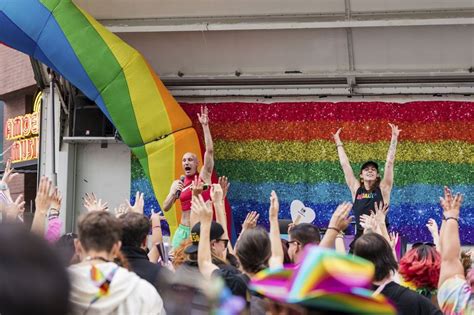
(420, 267)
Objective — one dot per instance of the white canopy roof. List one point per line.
(247, 47)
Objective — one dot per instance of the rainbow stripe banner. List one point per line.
(114, 75)
(288, 147)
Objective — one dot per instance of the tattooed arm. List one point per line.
(387, 182)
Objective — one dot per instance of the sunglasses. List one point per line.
(415, 245)
(293, 242)
(226, 242)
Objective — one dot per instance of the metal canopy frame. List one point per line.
(346, 19)
(350, 82)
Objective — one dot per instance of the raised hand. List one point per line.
(340, 219)
(91, 203)
(121, 210)
(56, 200)
(395, 130)
(197, 186)
(16, 209)
(432, 226)
(217, 195)
(291, 226)
(447, 199)
(451, 205)
(8, 173)
(157, 216)
(380, 213)
(368, 222)
(393, 239)
(199, 207)
(250, 221)
(139, 203)
(336, 137)
(43, 198)
(203, 117)
(274, 206)
(225, 184)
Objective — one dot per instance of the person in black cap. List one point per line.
(369, 188)
(218, 245)
(207, 235)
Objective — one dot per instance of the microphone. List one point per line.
(178, 192)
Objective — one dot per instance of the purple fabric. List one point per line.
(53, 233)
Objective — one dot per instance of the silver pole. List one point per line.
(50, 134)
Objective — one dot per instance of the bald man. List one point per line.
(190, 165)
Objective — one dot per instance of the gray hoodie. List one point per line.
(128, 294)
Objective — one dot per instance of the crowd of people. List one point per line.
(117, 263)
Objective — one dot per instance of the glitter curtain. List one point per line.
(288, 147)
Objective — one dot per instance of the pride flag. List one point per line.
(289, 147)
(112, 74)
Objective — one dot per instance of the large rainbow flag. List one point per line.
(288, 147)
(114, 75)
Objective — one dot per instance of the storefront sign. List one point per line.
(24, 130)
(25, 150)
(22, 127)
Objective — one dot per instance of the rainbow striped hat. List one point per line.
(325, 280)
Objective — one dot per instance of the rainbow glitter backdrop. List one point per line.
(288, 147)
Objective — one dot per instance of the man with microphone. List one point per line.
(181, 188)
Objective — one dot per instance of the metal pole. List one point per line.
(50, 138)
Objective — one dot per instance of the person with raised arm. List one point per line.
(209, 266)
(455, 290)
(277, 257)
(369, 188)
(340, 220)
(181, 188)
(218, 201)
(14, 211)
(7, 177)
(43, 202)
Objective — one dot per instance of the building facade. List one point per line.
(19, 125)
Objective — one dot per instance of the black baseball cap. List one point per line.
(216, 232)
(370, 163)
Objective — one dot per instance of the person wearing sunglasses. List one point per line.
(218, 242)
(301, 235)
(208, 242)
